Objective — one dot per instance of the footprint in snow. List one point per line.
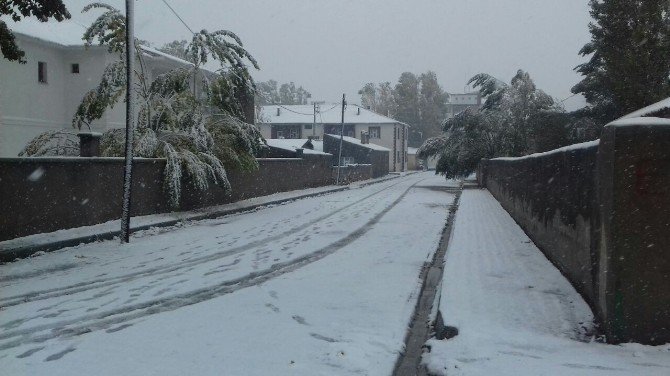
(59, 355)
(299, 319)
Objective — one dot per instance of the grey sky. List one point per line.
(334, 47)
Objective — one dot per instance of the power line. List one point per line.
(177, 15)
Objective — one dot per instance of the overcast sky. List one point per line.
(333, 47)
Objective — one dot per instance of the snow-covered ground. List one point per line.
(319, 286)
(516, 314)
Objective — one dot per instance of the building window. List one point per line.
(374, 132)
(308, 126)
(75, 68)
(42, 72)
(280, 134)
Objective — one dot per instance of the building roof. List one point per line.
(70, 34)
(65, 33)
(356, 141)
(292, 144)
(329, 114)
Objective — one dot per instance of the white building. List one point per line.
(44, 93)
(460, 102)
(300, 122)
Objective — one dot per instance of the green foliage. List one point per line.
(629, 64)
(43, 10)
(172, 123)
(59, 143)
(418, 101)
(287, 94)
(517, 119)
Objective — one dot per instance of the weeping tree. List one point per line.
(200, 138)
(517, 119)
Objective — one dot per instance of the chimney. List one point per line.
(278, 111)
(359, 111)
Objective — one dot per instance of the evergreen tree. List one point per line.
(407, 99)
(432, 108)
(43, 10)
(629, 65)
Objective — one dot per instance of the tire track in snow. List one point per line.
(103, 320)
(107, 282)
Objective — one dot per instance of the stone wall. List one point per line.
(601, 214)
(352, 173)
(46, 194)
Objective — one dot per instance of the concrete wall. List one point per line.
(601, 214)
(47, 194)
(553, 199)
(353, 173)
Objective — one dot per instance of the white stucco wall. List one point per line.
(28, 107)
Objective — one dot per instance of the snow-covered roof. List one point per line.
(412, 151)
(65, 33)
(69, 34)
(292, 144)
(358, 142)
(329, 114)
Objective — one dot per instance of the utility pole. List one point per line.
(130, 117)
(314, 123)
(339, 158)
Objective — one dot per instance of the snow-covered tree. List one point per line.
(43, 10)
(172, 123)
(629, 57)
(270, 92)
(432, 108)
(517, 119)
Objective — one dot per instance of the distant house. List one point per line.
(412, 162)
(460, 102)
(44, 93)
(301, 122)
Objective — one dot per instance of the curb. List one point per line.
(10, 253)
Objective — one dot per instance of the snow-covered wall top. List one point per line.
(643, 121)
(649, 110)
(583, 145)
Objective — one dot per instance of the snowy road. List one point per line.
(324, 285)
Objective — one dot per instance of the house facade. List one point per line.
(305, 121)
(44, 93)
(460, 102)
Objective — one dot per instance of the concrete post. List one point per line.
(634, 242)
